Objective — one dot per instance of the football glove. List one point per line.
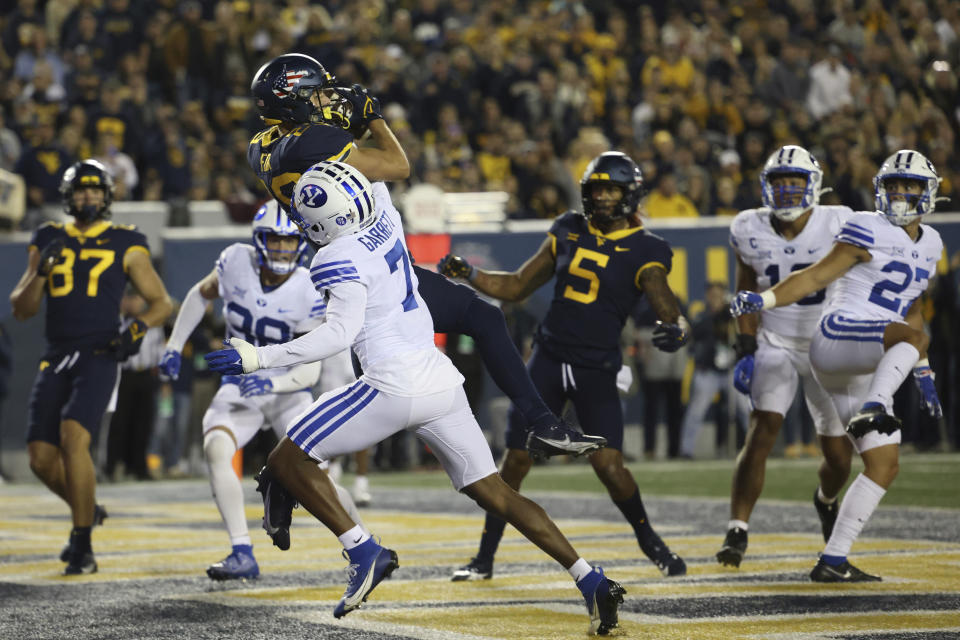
(128, 342)
(239, 357)
(251, 385)
(366, 108)
(455, 267)
(924, 378)
(746, 302)
(743, 374)
(669, 337)
(50, 256)
(170, 364)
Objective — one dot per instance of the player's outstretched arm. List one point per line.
(505, 285)
(192, 309)
(147, 281)
(387, 160)
(802, 283)
(673, 330)
(28, 294)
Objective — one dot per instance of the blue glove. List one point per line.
(254, 385)
(170, 364)
(743, 374)
(923, 377)
(669, 337)
(745, 302)
(225, 361)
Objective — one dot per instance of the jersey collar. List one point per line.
(614, 235)
(92, 232)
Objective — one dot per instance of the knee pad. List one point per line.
(218, 447)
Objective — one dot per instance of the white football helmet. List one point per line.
(271, 220)
(791, 159)
(332, 199)
(906, 163)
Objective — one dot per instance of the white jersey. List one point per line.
(773, 258)
(395, 344)
(885, 287)
(265, 317)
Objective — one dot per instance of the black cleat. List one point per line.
(80, 564)
(828, 515)
(278, 506)
(844, 572)
(873, 418)
(602, 596)
(734, 548)
(560, 439)
(473, 570)
(670, 564)
(99, 515)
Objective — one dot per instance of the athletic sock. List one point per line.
(579, 569)
(897, 362)
(354, 538)
(80, 539)
(737, 524)
(633, 510)
(218, 448)
(492, 534)
(858, 505)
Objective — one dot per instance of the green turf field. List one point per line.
(925, 480)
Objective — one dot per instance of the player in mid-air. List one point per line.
(604, 261)
(870, 335)
(790, 232)
(263, 287)
(82, 268)
(311, 120)
(363, 269)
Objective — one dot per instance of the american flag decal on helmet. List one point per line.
(285, 83)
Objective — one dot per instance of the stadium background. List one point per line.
(485, 96)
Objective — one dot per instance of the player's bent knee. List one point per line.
(218, 447)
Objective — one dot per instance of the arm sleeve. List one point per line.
(345, 314)
(299, 377)
(191, 313)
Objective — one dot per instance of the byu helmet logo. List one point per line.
(313, 196)
(341, 220)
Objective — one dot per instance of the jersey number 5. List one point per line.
(600, 259)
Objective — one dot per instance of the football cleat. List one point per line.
(873, 418)
(99, 515)
(602, 597)
(670, 564)
(560, 439)
(844, 572)
(278, 506)
(476, 569)
(734, 548)
(239, 565)
(80, 564)
(828, 515)
(369, 565)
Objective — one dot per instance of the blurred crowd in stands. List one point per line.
(512, 95)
